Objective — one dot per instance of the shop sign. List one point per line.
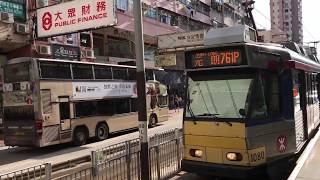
(100, 90)
(74, 16)
(18, 10)
(194, 38)
(165, 60)
(65, 52)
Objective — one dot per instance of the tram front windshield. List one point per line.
(227, 97)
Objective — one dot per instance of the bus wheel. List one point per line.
(80, 137)
(153, 120)
(102, 132)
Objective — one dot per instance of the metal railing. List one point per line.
(39, 172)
(119, 161)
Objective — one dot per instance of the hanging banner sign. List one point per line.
(74, 16)
(100, 90)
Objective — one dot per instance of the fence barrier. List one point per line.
(119, 161)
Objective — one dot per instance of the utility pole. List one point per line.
(141, 87)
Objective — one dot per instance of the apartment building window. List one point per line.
(122, 4)
(164, 17)
(149, 52)
(151, 13)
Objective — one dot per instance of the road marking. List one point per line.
(304, 156)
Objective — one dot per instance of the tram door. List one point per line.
(300, 107)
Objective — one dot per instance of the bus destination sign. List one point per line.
(215, 58)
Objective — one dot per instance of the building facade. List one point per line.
(286, 16)
(272, 36)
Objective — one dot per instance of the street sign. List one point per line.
(74, 16)
(193, 38)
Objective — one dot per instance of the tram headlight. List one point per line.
(196, 153)
(232, 156)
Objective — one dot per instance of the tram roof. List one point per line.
(258, 55)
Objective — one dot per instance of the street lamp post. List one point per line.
(141, 87)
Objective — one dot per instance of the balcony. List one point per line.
(181, 9)
(151, 27)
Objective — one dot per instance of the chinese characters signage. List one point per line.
(18, 10)
(75, 16)
(214, 58)
(100, 90)
(65, 52)
(194, 38)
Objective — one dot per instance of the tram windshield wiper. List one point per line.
(215, 116)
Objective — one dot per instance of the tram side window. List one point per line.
(55, 70)
(82, 71)
(309, 89)
(272, 94)
(102, 72)
(315, 91)
(266, 99)
(120, 73)
(297, 91)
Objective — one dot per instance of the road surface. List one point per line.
(18, 157)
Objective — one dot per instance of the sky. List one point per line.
(310, 18)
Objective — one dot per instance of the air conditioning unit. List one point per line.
(42, 3)
(6, 17)
(44, 50)
(21, 28)
(89, 54)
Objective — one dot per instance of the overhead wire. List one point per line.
(303, 26)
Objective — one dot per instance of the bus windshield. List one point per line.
(227, 98)
(16, 72)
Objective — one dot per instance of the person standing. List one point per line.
(176, 103)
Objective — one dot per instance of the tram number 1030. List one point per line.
(257, 156)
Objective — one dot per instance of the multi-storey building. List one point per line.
(113, 44)
(286, 16)
(272, 36)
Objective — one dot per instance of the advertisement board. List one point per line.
(18, 10)
(165, 60)
(74, 16)
(65, 52)
(100, 90)
(194, 38)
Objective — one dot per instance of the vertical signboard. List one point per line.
(73, 16)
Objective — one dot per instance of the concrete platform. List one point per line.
(308, 165)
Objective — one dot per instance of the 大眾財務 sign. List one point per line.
(75, 16)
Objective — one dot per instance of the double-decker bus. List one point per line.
(251, 107)
(48, 102)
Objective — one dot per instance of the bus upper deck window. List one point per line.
(82, 71)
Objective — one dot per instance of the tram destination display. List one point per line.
(214, 58)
